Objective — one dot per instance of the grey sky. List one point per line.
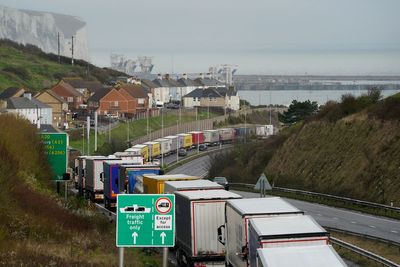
(178, 27)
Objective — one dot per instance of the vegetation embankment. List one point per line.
(350, 148)
(29, 67)
(390, 252)
(255, 117)
(137, 128)
(36, 227)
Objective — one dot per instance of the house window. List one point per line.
(141, 101)
(115, 104)
(70, 99)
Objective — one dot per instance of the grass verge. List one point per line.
(385, 250)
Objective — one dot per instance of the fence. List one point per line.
(201, 125)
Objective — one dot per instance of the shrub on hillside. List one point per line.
(388, 109)
(298, 111)
(245, 162)
(19, 71)
(333, 111)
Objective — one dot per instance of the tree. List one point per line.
(298, 111)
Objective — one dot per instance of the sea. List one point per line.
(285, 97)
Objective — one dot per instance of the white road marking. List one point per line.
(395, 232)
(335, 218)
(353, 222)
(372, 226)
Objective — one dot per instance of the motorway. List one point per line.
(364, 224)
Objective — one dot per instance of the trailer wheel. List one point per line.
(178, 259)
(106, 203)
(92, 197)
(182, 259)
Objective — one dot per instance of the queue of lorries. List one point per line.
(214, 227)
(96, 176)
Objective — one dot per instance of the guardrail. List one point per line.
(337, 198)
(109, 214)
(363, 252)
(364, 235)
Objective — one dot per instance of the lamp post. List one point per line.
(162, 136)
(177, 142)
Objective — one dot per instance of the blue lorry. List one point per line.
(120, 177)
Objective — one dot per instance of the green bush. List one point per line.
(19, 71)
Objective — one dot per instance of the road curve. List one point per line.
(365, 224)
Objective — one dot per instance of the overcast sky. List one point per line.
(175, 28)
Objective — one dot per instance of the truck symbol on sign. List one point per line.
(135, 209)
(163, 205)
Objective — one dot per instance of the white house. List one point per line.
(162, 92)
(192, 99)
(186, 86)
(32, 109)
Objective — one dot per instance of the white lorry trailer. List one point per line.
(284, 231)
(312, 256)
(198, 215)
(238, 214)
(171, 186)
(93, 184)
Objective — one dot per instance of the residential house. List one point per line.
(222, 97)
(192, 99)
(208, 81)
(137, 98)
(161, 94)
(86, 88)
(186, 86)
(69, 94)
(8, 93)
(59, 106)
(108, 101)
(149, 86)
(31, 109)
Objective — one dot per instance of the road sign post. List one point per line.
(145, 220)
(55, 145)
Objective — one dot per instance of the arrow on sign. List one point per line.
(134, 235)
(163, 235)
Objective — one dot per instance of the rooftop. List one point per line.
(311, 256)
(269, 205)
(286, 225)
(207, 194)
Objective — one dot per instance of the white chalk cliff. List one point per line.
(41, 29)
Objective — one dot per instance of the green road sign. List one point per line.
(145, 220)
(56, 149)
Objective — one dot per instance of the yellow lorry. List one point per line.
(154, 149)
(154, 184)
(143, 150)
(185, 140)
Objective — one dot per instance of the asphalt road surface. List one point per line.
(388, 229)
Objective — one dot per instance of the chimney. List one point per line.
(201, 75)
(28, 95)
(166, 76)
(209, 76)
(184, 76)
(159, 76)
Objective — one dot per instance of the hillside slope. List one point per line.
(357, 156)
(37, 228)
(27, 66)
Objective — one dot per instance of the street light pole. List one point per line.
(147, 123)
(162, 136)
(177, 143)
